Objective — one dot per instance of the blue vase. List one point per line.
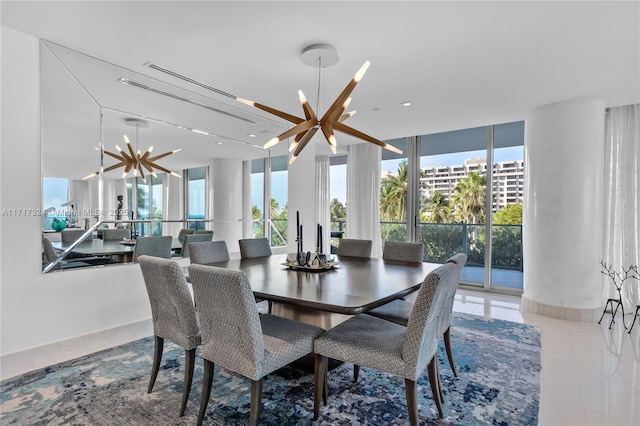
(58, 225)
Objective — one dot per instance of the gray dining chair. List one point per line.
(192, 238)
(158, 246)
(204, 231)
(392, 348)
(236, 337)
(174, 316)
(49, 254)
(403, 251)
(399, 311)
(207, 252)
(354, 248)
(254, 247)
(184, 232)
(115, 234)
(71, 235)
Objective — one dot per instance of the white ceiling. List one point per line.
(461, 64)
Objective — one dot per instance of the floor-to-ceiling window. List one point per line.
(196, 196)
(145, 200)
(257, 197)
(270, 199)
(338, 197)
(394, 190)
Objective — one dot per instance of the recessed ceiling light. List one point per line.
(376, 109)
(251, 135)
(220, 143)
(405, 103)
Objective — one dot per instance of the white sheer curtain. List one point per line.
(323, 215)
(363, 195)
(621, 236)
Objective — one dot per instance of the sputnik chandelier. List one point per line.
(320, 55)
(133, 161)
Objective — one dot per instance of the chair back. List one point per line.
(446, 316)
(254, 247)
(421, 338)
(204, 231)
(172, 308)
(229, 319)
(49, 252)
(115, 234)
(184, 232)
(193, 238)
(159, 246)
(208, 252)
(403, 251)
(354, 248)
(71, 235)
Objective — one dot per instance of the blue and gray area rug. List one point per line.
(498, 383)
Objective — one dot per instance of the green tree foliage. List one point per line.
(510, 215)
(337, 210)
(437, 210)
(393, 195)
(468, 198)
(256, 213)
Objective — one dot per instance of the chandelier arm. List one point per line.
(308, 111)
(358, 134)
(281, 114)
(157, 157)
(115, 166)
(329, 135)
(330, 114)
(144, 179)
(116, 156)
(345, 116)
(146, 154)
(304, 141)
(162, 169)
(302, 127)
(133, 154)
(128, 168)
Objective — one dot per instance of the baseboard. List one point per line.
(21, 362)
(572, 314)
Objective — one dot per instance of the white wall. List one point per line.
(42, 309)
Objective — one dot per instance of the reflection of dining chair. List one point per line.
(254, 247)
(236, 337)
(403, 251)
(71, 235)
(404, 351)
(207, 252)
(204, 231)
(192, 238)
(49, 255)
(399, 311)
(159, 246)
(354, 248)
(115, 234)
(174, 316)
(184, 232)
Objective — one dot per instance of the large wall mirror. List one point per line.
(88, 106)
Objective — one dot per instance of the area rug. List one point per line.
(498, 383)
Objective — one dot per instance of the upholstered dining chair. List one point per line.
(49, 254)
(192, 238)
(204, 231)
(254, 247)
(71, 235)
(184, 232)
(236, 337)
(206, 252)
(403, 251)
(115, 234)
(174, 316)
(399, 311)
(354, 248)
(158, 246)
(388, 347)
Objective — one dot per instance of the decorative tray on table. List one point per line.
(128, 242)
(312, 266)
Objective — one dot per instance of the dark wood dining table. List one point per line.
(354, 286)
(98, 247)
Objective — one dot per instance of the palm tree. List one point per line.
(468, 198)
(438, 208)
(393, 195)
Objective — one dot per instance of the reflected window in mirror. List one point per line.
(197, 200)
(55, 192)
(145, 202)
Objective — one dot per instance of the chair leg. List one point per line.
(207, 379)
(433, 380)
(439, 381)
(447, 345)
(256, 400)
(157, 357)
(356, 372)
(634, 318)
(412, 401)
(320, 378)
(189, 361)
(270, 306)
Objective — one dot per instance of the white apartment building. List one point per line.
(508, 180)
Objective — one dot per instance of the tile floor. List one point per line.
(590, 374)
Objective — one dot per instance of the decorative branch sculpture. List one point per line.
(618, 279)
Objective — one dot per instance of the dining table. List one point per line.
(328, 296)
(106, 248)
